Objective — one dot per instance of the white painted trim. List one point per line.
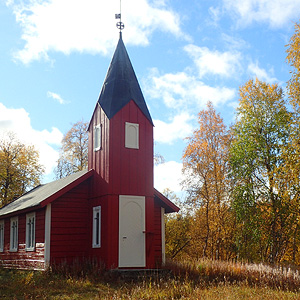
(131, 135)
(12, 237)
(28, 217)
(97, 137)
(96, 209)
(128, 257)
(2, 231)
(163, 236)
(47, 235)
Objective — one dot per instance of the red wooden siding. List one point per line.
(111, 238)
(131, 169)
(107, 254)
(70, 225)
(150, 233)
(99, 160)
(124, 171)
(157, 238)
(23, 259)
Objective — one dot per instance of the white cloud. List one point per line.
(18, 121)
(168, 175)
(181, 91)
(57, 97)
(260, 73)
(276, 13)
(87, 25)
(215, 62)
(178, 128)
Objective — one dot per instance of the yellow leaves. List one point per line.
(74, 151)
(20, 169)
(206, 167)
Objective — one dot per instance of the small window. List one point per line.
(14, 234)
(131, 135)
(97, 137)
(1, 235)
(30, 232)
(97, 227)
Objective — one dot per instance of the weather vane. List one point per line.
(120, 25)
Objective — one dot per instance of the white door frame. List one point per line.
(132, 236)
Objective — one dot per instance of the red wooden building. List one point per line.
(110, 212)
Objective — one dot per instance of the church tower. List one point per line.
(121, 131)
(121, 152)
(110, 213)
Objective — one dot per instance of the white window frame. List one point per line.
(14, 228)
(1, 235)
(131, 135)
(30, 231)
(97, 227)
(97, 137)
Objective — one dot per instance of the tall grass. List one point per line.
(202, 279)
(214, 271)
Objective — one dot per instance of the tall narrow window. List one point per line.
(97, 227)
(30, 232)
(14, 234)
(1, 235)
(131, 135)
(97, 137)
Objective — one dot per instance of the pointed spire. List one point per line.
(121, 85)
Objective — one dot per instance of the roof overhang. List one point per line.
(169, 206)
(35, 199)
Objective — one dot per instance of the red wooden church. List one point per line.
(110, 212)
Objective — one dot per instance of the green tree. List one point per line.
(205, 165)
(73, 156)
(257, 160)
(293, 86)
(20, 169)
(177, 236)
(292, 151)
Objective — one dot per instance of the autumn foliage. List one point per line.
(243, 182)
(20, 169)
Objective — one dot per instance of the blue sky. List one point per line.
(54, 56)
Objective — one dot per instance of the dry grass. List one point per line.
(213, 271)
(197, 280)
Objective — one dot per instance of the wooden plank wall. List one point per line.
(157, 237)
(69, 226)
(131, 170)
(23, 259)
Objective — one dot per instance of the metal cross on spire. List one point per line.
(120, 25)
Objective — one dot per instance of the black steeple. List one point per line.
(121, 85)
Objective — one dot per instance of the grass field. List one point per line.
(200, 280)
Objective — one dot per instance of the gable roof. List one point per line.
(121, 85)
(165, 202)
(45, 193)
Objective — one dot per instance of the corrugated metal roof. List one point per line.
(121, 85)
(40, 193)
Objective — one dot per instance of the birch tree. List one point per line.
(261, 131)
(205, 167)
(73, 155)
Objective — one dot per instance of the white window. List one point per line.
(97, 227)
(1, 235)
(97, 137)
(14, 234)
(30, 232)
(131, 135)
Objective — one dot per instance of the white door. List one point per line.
(132, 232)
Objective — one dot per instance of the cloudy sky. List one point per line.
(54, 56)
